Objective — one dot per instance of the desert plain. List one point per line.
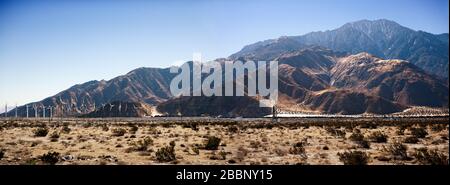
(263, 141)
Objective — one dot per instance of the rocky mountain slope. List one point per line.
(315, 78)
(394, 80)
(148, 85)
(382, 38)
(357, 84)
(320, 80)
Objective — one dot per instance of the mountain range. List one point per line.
(382, 38)
(374, 67)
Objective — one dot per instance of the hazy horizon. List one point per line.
(49, 46)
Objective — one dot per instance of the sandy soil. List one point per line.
(93, 142)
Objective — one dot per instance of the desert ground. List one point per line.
(305, 141)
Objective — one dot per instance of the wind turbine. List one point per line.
(16, 110)
(6, 110)
(120, 107)
(43, 111)
(35, 110)
(27, 110)
(102, 109)
(61, 106)
(110, 106)
(57, 109)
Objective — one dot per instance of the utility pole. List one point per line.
(102, 108)
(274, 112)
(180, 110)
(61, 109)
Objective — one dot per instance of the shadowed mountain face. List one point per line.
(121, 109)
(344, 101)
(344, 79)
(383, 38)
(225, 106)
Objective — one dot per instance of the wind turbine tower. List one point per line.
(35, 110)
(120, 107)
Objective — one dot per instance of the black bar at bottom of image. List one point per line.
(231, 174)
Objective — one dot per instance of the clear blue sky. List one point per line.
(48, 46)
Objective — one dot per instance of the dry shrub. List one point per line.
(354, 158)
(411, 140)
(419, 132)
(142, 145)
(398, 150)
(430, 157)
(118, 132)
(212, 143)
(50, 158)
(40, 132)
(166, 154)
(378, 137)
